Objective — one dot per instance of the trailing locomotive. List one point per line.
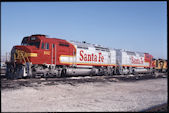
(41, 56)
(160, 65)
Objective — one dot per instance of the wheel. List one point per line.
(121, 72)
(10, 74)
(63, 73)
(133, 72)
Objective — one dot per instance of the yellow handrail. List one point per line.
(23, 57)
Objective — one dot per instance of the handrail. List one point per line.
(23, 57)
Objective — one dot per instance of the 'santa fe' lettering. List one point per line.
(136, 61)
(91, 57)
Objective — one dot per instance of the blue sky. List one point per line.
(135, 26)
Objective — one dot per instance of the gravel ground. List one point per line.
(89, 96)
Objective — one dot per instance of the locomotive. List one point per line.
(39, 55)
(160, 65)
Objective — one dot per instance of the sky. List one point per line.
(134, 26)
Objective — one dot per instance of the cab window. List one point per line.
(63, 44)
(53, 46)
(42, 46)
(36, 44)
(46, 45)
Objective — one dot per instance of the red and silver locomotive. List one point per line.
(41, 56)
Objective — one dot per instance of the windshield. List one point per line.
(34, 44)
(30, 43)
(24, 41)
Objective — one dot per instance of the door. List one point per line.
(53, 55)
(118, 57)
(119, 62)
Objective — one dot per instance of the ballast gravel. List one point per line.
(92, 96)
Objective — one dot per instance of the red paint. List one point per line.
(153, 63)
(148, 58)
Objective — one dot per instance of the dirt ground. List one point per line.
(87, 96)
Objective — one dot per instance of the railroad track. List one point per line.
(158, 108)
(73, 80)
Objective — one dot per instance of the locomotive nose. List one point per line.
(21, 54)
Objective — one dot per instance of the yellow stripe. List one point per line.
(87, 63)
(135, 66)
(46, 52)
(32, 54)
(67, 56)
(95, 64)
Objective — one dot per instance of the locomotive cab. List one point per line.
(27, 51)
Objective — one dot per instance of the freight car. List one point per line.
(41, 56)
